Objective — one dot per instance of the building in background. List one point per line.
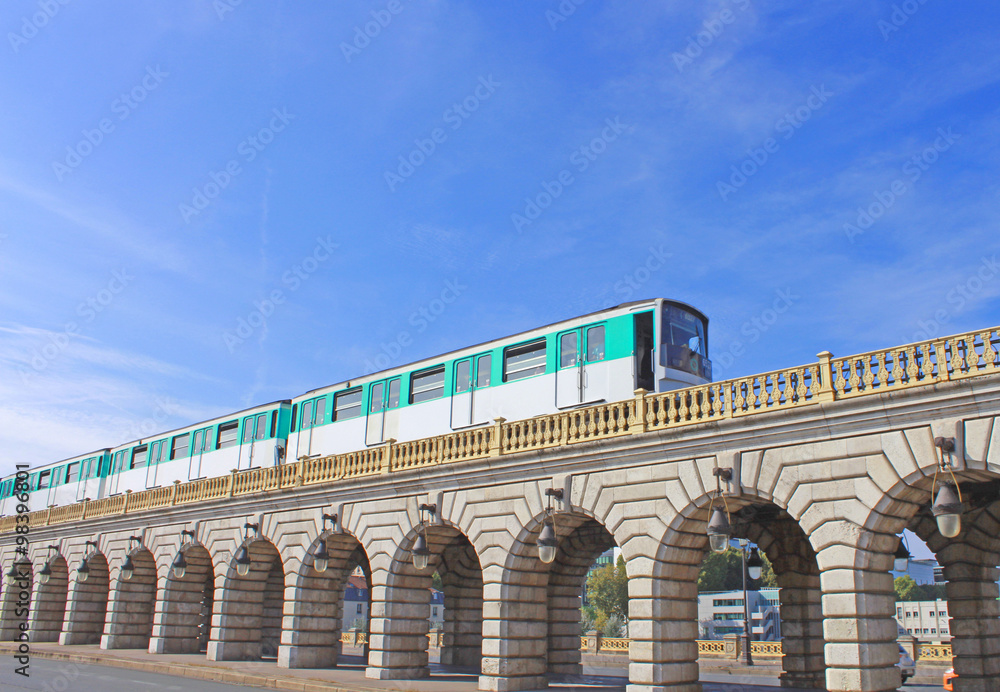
(721, 613)
(356, 605)
(925, 620)
(921, 571)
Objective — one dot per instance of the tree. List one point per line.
(906, 589)
(724, 572)
(607, 595)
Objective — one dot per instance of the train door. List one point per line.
(201, 443)
(471, 375)
(83, 473)
(49, 480)
(115, 473)
(580, 350)
(157, 455)
(254, 430)
(642, 353)
(383, 397)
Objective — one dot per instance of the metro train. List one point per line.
(654, 344)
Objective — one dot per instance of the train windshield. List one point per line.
(682, 328)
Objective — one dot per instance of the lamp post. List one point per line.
(421, 554)
(752, 567)
(548, 541)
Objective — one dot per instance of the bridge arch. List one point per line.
(48, 609)
(15, 599)
(87, 608)
(184, 609)
(401, 601)
(248, 609)
(133, 601)
(314, 614)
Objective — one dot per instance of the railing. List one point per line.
(934, 652)
(831, 379)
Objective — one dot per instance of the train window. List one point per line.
(274, 423)
(119, 461)
(377, 397)
(248, 430)
(394, 393)
(427, 385)
(595, 344)
(139, 457)
(43, 479)
(179, 446)
(73, 472)
(463, 376)
(567, 350)
(159, 451)
(681, 328)
(261, 426)
(228, 434)
(483, 367)
(347, 404)
(307, 411)
(295, 409)
(524, 360)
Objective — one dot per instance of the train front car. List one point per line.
(59, 483)
(683, 347)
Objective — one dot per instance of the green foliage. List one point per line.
(436, 582)
(909, 590)
(607, 596)
(724, 572)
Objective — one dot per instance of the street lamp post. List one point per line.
(747, 656)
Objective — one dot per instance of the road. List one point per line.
(61, 676)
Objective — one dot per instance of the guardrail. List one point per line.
(831, 379)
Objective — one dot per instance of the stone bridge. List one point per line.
(830, 462)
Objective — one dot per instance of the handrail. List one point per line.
(924, 363)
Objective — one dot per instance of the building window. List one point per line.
(524, 360)
(228, 434)
(359, 609)
(427, 385)
(347, 404)
(434, 612)
(933, 630)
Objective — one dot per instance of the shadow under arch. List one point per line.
(87, 608)
(682, 549)
(184, 612)
(133, 601)
(400, 623)
(248, 610)
(49, 607)
(313, 639)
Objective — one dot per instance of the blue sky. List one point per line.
(372, 169)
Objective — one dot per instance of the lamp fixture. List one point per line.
(128, 569)
(243, 556)
(45, 573)
(947, 507)
(179, 567)
(321, 560)
(83, 571)
(901, 560)
(719, 529)
(548, 541)
(755, 565)
(421, 553)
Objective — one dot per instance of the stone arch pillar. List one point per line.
(183, 615)
(15, 602)
(49, 603)
(246, 622)
(859, 606)
(314, 609)
(133, 601)
(87, 607)
(462, 583)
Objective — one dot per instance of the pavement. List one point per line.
(56, 668)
